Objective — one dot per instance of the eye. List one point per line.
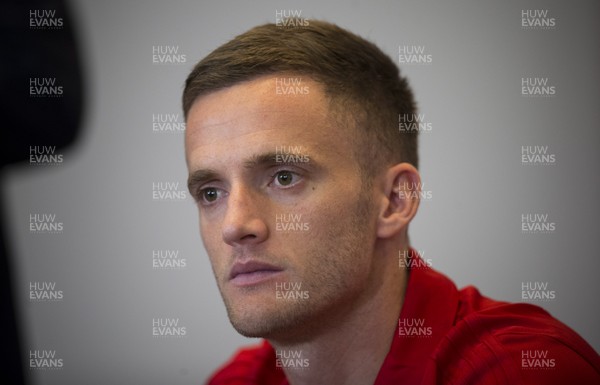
(285, 178)
(209, 195)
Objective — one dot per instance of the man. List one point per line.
(305, 188)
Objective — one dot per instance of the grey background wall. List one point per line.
(471, 227)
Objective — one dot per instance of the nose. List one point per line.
(243, 223)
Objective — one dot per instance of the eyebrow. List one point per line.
(199, 177)
(202, 176)
(260, 160)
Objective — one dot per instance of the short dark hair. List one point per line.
(363, 84)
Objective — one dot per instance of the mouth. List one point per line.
(252, 273)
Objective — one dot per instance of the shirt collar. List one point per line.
(430, 304)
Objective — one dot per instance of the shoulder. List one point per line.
(496, 342)
(251, 365)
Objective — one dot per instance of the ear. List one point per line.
(402, 188)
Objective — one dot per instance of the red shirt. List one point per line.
(447, 336)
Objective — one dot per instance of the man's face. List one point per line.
(284, 216)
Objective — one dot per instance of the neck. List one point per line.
(353, 344)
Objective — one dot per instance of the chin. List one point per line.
(251, 327)
(254, 320)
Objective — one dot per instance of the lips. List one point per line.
(252, 272)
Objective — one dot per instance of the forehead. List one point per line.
(262, 112)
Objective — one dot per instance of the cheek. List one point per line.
(210, 227)
(334, 261)
(332, 212)
(210, 233)
(338, 227)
